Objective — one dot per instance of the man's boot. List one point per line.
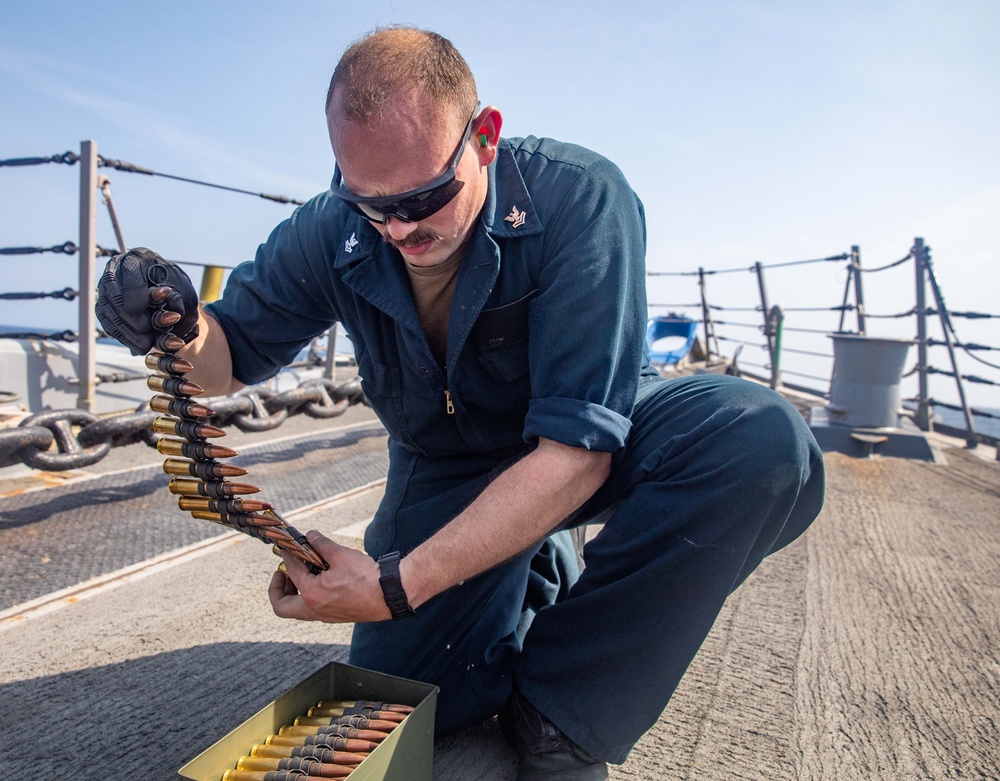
(544, 753)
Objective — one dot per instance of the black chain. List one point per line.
(73, 439)
(57, 427)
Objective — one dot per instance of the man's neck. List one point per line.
(433, 288)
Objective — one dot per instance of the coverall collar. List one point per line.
(379, 276)
(509, 211)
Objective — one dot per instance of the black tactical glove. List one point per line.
(124, 306)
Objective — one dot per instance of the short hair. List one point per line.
(395, 60)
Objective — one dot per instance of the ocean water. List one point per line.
(989, 426)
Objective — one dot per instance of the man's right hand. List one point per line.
(124, 308)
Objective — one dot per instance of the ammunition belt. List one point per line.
(184, 424)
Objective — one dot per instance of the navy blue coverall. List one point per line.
(546, 338)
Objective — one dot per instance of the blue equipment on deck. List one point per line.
(669, 338)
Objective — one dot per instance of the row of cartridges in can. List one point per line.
(330, 741)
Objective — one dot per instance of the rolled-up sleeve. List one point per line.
(577, 423)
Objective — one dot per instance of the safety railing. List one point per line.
(729, 324)
(93, 183)
(75, 438)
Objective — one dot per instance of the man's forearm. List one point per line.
(521, 506)
(210, 356)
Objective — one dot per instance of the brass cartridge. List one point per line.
(168, 405)
(196, 450)
(311, 767)
(368, 713)
(165, 318)
(234, 519)
(189, 429)
(328, 732)
(206, 470)
(157, 295)
(294, 544)
(168, 343)
(168, 364)
(216, 489)
(235, 505)
(300, 539)
(320, 753)
(175, 386)
(360, 722)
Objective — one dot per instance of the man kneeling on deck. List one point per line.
(494, 290)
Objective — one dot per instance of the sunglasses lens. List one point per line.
(413, 209)
(422, 206)
(371, 213)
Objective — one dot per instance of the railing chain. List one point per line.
(71, 453)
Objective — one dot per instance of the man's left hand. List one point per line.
(347, 592)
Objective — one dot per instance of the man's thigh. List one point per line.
(466, 639)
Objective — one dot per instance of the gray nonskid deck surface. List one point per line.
(56, 538)
(865, 650)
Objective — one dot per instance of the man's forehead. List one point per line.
(409, 145)
(411, 112)
(395, 137)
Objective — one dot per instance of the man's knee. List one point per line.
(776, 435)
(730, 444)
(719, 422)
(782, 468)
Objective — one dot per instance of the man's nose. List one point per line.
(399, 229)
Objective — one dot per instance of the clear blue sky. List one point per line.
(770, 131)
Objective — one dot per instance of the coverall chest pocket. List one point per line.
(502, 336)
(507, 363)
(378, 379)
(383, 387)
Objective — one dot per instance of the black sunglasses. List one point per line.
(412, 206)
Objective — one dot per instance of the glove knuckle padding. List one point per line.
(123, 305)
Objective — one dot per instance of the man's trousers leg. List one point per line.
(718, 473)
(465, 640)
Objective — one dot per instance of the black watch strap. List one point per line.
(392, 586)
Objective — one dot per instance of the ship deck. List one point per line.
(134, 637)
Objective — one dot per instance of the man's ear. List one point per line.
(486, 131)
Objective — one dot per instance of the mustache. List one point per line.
(418, 236)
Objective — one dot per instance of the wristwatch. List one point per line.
(392, 587)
